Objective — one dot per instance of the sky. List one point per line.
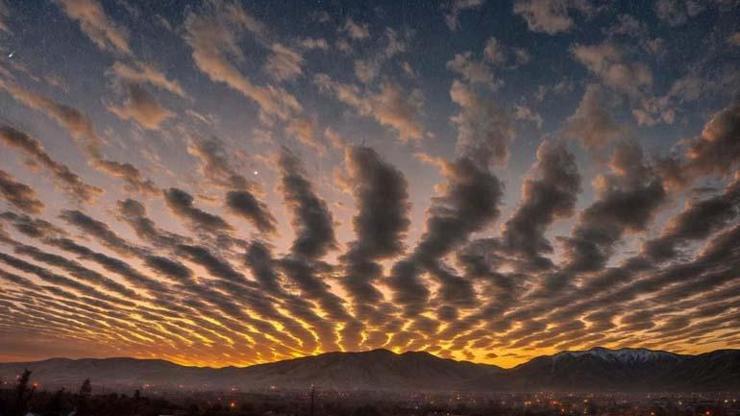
(234, 182)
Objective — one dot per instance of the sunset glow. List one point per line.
(225, 183)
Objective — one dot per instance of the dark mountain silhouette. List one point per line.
(624, 370)
(597, 369)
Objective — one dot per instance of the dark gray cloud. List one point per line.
(628, 198)
(550, 194)
(381, 196)
(697, 221)
(716, 151)
(61, 174)
(214, 163)
(134, 214)
(30, 226)
(60, 280)
(246, 205)
(214, 265)
(469, 203)
(77, 270)
(259, 259)
(181, 204)
(241, 198)
(170, 268)
(19, 194)
(132, 176)
(111, 264)
(312, 220)
(93, 228)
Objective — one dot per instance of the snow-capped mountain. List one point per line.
(622, 355)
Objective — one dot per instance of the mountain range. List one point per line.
(598, 369)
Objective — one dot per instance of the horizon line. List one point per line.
(366, 352)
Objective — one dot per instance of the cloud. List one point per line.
(550, 193)
(550, 16)
(609, 63)
(484, 131)
(111, 264)
(354, 30)
(314, 43)
(522, 112)
(627, 200)
(304, 129)
(134, 214)
(472, 71)
(381, 196)
(496, 53)
(677, 12)
(336, 140)
(31, 227)
(312, 220)
(140, 72)
(366, 70)
(141, 107)
(132, 176)
(314, 236)
(181, 204)
(368, 67)
(214, 265)
(241, 199)
(468, 202)
(77, 270)
(453, 9)
(245, 204)
(592, 123)
(4, 14)
(81, 128)
(283, 64)
(391, 106)
(19, 194)
(259, 259)
(398, 109)
(697, 221)
(213, 35)
(170, 268)
(717, 149)
(97, 25)
(382, 203)
(61, 174)
(214, 163)
(95, 296)
(714, 152)
(99, 230)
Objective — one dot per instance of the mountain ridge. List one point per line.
(625, 369)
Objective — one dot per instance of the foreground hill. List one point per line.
(597, 369)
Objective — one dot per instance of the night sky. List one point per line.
(226, 183)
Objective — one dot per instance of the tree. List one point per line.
(83, 397)
(23, 394)
(55, 406)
